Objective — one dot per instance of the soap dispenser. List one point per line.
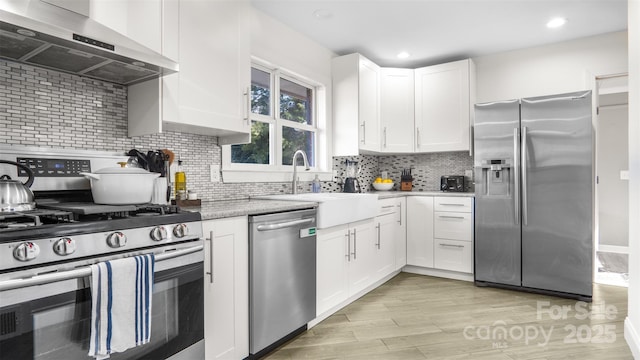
(315, 185)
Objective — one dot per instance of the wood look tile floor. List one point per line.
(421, 317)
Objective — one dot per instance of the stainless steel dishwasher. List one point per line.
(282, 277)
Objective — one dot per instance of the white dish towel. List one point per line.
(121, 293)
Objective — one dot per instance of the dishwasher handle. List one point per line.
(282, 225)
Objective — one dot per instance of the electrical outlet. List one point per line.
(215, 173)
(468, 173)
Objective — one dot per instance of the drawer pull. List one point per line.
(452, 204)
(451, 217)
(387, 206)
(451, 245)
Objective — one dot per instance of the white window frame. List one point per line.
(276, 171)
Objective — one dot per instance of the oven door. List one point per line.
(51, 321)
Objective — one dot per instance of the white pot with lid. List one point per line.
(121, 185)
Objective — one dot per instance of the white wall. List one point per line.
(632, 323)
(550, 69)
(611, 158)
(277, 43)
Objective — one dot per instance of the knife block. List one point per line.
(406, 185)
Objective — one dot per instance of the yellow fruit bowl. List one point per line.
(382, 186)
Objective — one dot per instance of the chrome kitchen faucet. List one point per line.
(294, 183)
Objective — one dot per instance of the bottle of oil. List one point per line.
(181, 182)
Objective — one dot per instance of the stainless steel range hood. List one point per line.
(40, 34)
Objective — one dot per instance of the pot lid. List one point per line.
(121, 170)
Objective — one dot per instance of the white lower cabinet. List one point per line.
(385, 245)
(226, 288)
(454, 255)
(345, 262)
(420, 231)
(401, 233)
(392, 221)
(440, 233)
(453, 225)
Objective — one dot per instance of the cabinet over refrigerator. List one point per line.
(534, 194)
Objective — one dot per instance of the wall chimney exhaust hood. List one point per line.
(40, 34)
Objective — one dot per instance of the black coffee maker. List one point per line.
(351, 184)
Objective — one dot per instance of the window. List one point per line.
(283, 120)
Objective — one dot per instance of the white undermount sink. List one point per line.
(336, 208)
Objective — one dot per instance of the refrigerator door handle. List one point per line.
(516, 177)
(524, 175)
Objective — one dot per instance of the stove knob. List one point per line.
(181, 230)
(116, 239)
(64, 246)
(26, 251)
(158, 233)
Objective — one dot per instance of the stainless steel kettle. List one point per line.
(15, 195)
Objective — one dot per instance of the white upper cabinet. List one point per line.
(397, 110)
(209, 95)
(356, 111)
(140, 20)
(390, 110)
(443, 100)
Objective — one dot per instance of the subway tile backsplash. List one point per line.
(41, 107)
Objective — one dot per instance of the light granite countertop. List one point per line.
(229, 208)
(395, 193)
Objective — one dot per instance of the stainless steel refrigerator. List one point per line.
(534, 194)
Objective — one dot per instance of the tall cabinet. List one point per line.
(209, 95)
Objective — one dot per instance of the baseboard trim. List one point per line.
(351, 299)
(632, 338)
(614, 249)
(438, 273)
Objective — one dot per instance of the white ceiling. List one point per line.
(436, 31)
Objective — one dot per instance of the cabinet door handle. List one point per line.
(348, 235)
(451, 217)
(247, 107)
(418, 137)
(378, 243)
(364, 134)
(210, 272)
(400, 210)
(451, 245)
(355, 240)
(384, 131)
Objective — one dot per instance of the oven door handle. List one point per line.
(82, 272)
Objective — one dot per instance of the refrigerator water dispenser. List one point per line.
(497, 176)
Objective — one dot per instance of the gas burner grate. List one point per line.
(157, 209)
(22, 219)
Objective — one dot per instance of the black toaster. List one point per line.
(453, 183)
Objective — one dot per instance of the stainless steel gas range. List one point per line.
(45, 254)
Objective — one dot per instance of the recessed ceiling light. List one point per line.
(322, 14)
(403, 55)
(556, 22)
